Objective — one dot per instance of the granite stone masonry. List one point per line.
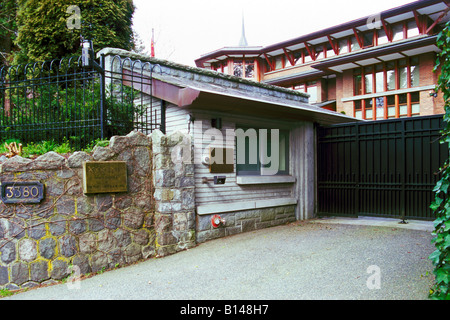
(41, 243)
(244, 221)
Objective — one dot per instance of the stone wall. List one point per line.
(42, 243)
(244, 221)
(174, 194)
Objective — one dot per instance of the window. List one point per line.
(415, 103)
(403, 105)
(249, 69)
(415, 75)
(257, 155)
(379, 104)
(368, 39)
(358, 109)
(298, 57)
(382, 37)
(390, 71)
(300, 87)
(397, 31)
(355, 45)
(237, 68)
(379, 78)
(343, 46)
(403, 74)
(369, 108)
(319, 52)
(391, 106)
(368, 79)
(413, 31)
(357, 82)
(311, 89)
(330, 52)
(220, 67)
(267, 66)
(279, 62)
(307, 57)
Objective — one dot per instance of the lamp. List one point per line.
(87, 56)
(216, 179)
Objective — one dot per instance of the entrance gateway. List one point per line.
(382, 168)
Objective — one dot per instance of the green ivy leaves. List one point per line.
(440, 258)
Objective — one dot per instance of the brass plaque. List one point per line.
(223, 167)
(105, 177)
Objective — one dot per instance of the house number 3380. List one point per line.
(22, 192)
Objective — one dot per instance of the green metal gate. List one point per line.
(382, 168)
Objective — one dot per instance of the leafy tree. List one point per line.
(43, 32)
(8, 28)
(441, 204)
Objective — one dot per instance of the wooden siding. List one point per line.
(208, 193)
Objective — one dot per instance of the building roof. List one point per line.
(199, 89)
(388, 52)
(435, 10)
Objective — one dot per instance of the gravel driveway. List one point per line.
(303, 260)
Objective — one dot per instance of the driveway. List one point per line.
(320, 259)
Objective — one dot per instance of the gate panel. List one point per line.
(380, 168)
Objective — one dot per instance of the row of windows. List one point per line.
(310, 88)
(392, 106)
(243, 68)
(393, 75)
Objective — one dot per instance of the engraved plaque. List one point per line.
(105, 177)
(22, 192)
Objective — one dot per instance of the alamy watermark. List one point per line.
(74, 20)
(374, 280)
(254, 145)
(374, 21)
(74, 280)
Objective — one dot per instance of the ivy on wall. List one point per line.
(441, 204)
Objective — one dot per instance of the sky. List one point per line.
(184, 30)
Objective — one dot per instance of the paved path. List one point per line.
(333, 259)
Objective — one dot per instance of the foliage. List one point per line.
(43, 33)
(8, 28)
(64, 109)
(441, 204)
(5, 293)
(33, 149)
(98, 142)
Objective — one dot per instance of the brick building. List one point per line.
(373, 68)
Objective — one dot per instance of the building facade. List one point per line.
(373, 68)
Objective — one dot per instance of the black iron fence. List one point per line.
(62, 101)
(380, 168)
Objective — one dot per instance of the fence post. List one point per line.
(163, 116)
(403, 175)
(102, 97)
(357, 153)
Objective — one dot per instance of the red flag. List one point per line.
(153, 45)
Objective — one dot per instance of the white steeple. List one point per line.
(243, 41)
